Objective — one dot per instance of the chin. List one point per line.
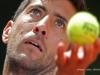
(25, 62)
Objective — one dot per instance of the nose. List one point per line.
(37, 30)
(42, 26)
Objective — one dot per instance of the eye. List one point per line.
(37, 14)
(60, 23)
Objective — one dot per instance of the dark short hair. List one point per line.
(78, 4)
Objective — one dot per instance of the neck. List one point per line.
(15, 69)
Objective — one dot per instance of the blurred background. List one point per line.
(7, 10)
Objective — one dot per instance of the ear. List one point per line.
(6, 31)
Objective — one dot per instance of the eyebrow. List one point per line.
(58, 15)
(39, 6)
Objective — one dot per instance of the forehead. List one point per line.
(44, 2)
(53, 2)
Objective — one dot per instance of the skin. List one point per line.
(42, 22)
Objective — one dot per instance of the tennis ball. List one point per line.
(83, 28)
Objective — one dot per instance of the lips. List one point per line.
(36, 44)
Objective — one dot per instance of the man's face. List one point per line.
(35, 35)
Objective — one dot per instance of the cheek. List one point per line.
(26, 19)
(17, 33)
(55, 39)
(24, 22)
(21, 28)
(56, 36)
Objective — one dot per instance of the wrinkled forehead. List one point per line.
(44, 1)
(50, 1)
(53, 3)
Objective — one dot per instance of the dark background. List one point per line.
(7, 10)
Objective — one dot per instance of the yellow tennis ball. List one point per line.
(83, 28)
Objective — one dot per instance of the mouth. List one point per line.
(34, 44)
